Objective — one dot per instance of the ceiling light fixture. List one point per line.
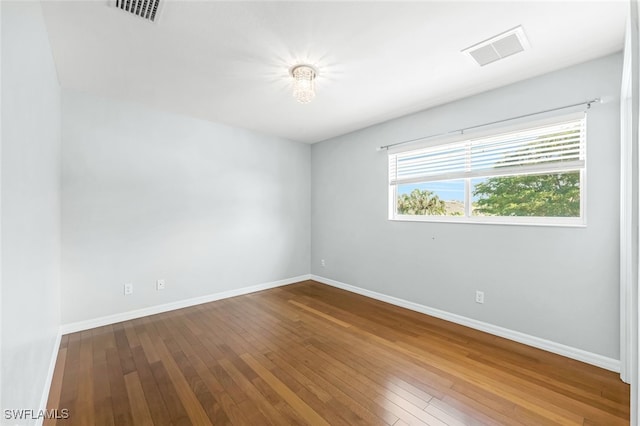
(304, 77)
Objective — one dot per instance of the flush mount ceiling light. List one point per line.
(304, 77)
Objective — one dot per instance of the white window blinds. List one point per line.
(556, 147)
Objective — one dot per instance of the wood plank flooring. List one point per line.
(312, 354)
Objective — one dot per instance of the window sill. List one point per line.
(517, 221)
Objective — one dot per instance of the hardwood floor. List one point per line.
(312, 354)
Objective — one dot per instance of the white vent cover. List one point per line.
(145, 9)
(506, 44)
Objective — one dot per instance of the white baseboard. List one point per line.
(537, 342)
(158, 309)
(47, 383)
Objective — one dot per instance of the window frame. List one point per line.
(468, 218)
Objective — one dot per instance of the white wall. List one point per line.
(149, 195)
(30, 200)
(555, 283)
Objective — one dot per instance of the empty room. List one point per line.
(319, 212)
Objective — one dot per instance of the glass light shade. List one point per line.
(303, 83)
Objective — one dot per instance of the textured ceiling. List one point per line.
(228, 61)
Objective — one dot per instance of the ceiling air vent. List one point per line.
(145, 9)
(506, 44)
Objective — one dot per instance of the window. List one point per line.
(533, 175)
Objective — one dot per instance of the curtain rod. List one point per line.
(461, 131)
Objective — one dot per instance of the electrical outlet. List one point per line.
(479, 296)
(160, 285)
(323, 263)
(128, 289)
